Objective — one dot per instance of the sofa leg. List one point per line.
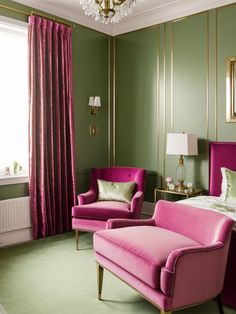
(163, 312)
(77, 239)
(100, 271)
(219, 303)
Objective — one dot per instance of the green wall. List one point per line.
(167, 78)
(135, 101)
(90, 78)
(171, 78)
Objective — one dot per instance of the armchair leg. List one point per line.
(77, 239)
(100, 271)
(163, 312)
(219, 303)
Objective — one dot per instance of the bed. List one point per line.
(221, 154)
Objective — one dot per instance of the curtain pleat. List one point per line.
(51, 127)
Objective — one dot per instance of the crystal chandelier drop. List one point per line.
(108, 11)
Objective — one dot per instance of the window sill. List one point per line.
(15, 179)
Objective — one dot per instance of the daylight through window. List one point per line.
(13, 100)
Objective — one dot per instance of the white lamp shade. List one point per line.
(97, 101)
(91, 101)
(181, 144)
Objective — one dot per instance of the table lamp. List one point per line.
(181, 144)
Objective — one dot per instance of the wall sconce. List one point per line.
(94, 103)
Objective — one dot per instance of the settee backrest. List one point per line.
(119, 174)
(202, 225)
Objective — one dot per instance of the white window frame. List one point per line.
(16, 178)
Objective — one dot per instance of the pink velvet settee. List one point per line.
(92, 215)
(176, 259)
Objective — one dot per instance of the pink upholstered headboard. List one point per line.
(222, 154)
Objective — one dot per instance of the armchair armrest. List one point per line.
(121, 223)
(136, 203)
(195, 273)
(87, 198)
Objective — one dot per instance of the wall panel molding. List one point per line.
(109, 74)
(114, 104)
(207, 75)
(164, 100)
(172, 82)
(216, 74)
(190, 87)
(158, 96)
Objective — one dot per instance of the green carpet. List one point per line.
(50, 277)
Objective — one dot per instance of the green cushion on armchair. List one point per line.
(115, 191)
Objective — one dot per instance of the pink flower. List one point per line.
(169, 179)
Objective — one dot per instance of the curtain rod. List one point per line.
(44, 15)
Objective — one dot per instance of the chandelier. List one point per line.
(107, 11)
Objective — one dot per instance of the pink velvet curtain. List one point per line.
(51, 127)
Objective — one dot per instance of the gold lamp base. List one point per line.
(181, 174)
(181, 186)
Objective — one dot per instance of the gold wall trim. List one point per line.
(207, 82)
(216, 75)
(158, 96)
(164, 98)
(207, 74)
(109, 103)
(37, 13)
(172, 79)
(114, 104)
(14, 10)
(230, 89)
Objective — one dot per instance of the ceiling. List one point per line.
(146, 12)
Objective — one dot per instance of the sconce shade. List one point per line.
(181, 144)
(91, 101)
(97, 101)
(94, 103)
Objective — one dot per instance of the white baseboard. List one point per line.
(15, 237)
(148, 209)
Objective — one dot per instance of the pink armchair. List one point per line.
(176, 259)
(92, 215)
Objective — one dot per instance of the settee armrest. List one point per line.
(121, 223)
(189, 252)
(194, 273)
(87, 198)
(136, 204)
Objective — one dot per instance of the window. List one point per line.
(14, 107)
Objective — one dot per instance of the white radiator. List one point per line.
(15, 214)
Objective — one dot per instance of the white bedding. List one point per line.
(213, 203)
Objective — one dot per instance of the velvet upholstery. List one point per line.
(92, 215)
(222, 154)
(143, 258)
(102, 210)
(176, 259)
(52, 175)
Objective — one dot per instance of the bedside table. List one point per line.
(194, 192)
